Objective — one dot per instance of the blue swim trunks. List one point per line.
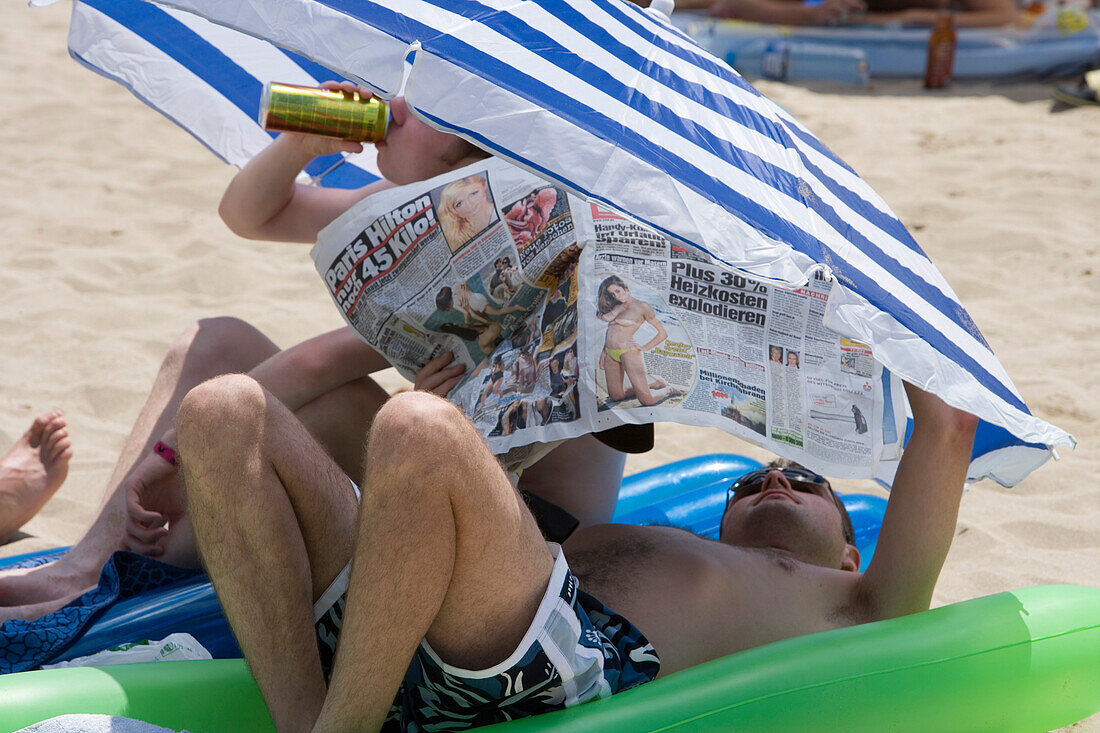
(575, 650)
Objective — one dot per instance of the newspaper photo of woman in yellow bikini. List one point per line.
(622, 356)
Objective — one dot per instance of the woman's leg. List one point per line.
(648, 393)
(613, 375)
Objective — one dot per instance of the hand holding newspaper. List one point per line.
(572, 319)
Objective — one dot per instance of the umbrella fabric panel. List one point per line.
(643, 120)
(205, 77)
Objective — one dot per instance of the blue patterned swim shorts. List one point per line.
(575, 650)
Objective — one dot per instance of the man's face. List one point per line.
(787, 509)
(412, 151)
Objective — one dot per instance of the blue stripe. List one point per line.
(643, 17)
(126, 84)
(319, 165)
(347, 175)
(987, 438)
(854, 279)
(190, 50)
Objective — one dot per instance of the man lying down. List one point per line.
(458, 613)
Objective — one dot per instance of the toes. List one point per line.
(55, 423)
(59, 446)
(33, 436)
(42, 425)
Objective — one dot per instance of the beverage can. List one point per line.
(332, 113)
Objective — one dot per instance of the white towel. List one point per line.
(94, 724)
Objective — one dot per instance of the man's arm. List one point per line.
(788, 12)
(920, 517)
(263, 201)
(315, 367)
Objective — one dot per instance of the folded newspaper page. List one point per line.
(572, 319)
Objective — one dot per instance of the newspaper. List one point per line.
(571, 318)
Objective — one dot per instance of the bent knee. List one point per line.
(416, 420)
(220, 344)
(219, 403)
(227, 329)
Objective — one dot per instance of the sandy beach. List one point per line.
(112, 245)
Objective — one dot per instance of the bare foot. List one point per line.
(33, 470)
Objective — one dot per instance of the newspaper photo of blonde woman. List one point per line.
(465, 210)
(622, 356)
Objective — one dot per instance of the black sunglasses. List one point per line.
(800, 479)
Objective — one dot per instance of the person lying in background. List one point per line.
(968, 13)
(324, 381)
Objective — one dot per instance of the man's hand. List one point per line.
(153, 499)
(318, 145)
(438, 378)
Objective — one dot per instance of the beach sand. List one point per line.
(111, 246)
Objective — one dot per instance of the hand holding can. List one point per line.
(336, 110)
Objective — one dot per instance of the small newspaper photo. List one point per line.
(572, 318)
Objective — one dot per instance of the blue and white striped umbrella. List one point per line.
(614, 103)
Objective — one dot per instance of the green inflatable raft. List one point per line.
(1026, 660)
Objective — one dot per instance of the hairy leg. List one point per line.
(446, 550)
(338, 420)
(275, 521)
(33, 470)
(208, 348)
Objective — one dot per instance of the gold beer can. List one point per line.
(332, 113)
